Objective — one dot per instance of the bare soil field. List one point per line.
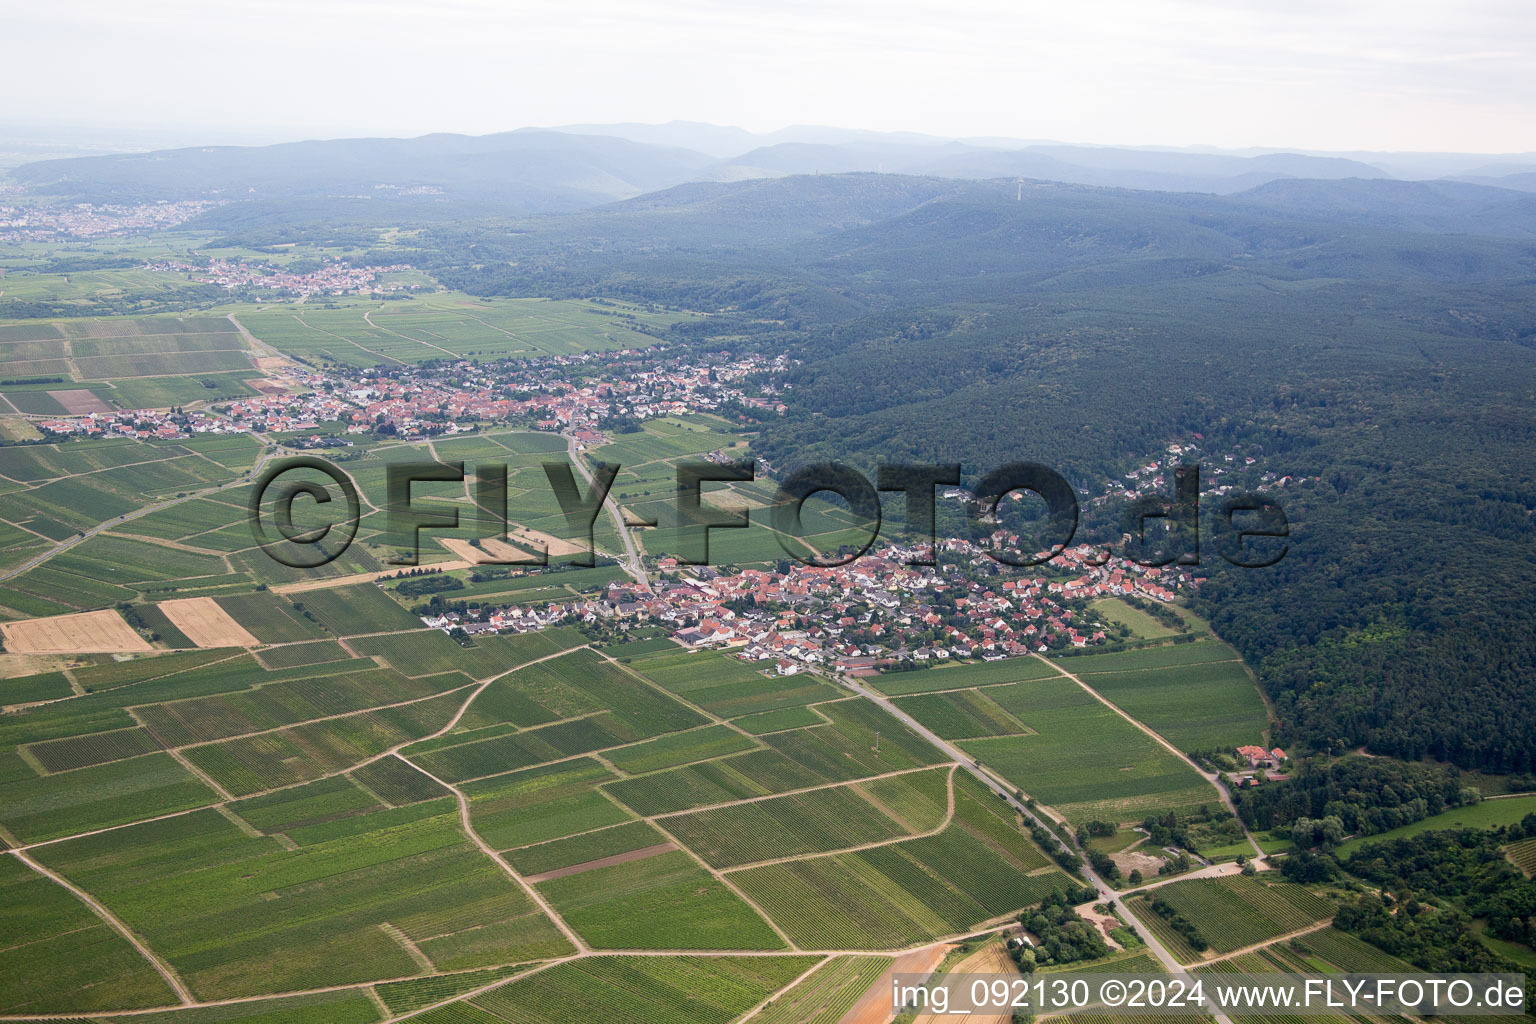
(98, 632)
(13, 664)
(875, 1006)
(1134, 859)
(992, 958)
(528, 542)
(206, 624)
(362, 577)
(78, 402)
(1106, 923)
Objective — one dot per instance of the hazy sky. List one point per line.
(1321, 74)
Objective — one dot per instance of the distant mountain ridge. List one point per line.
(531, 171)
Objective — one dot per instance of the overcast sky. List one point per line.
(1318, 74)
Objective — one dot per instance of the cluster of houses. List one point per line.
(332, 278)
(512, 619)
(625, 384)
(447, 398)
(1271, 763)
(140, 424)
(1152, 477)
(855, 618)
(91, 220)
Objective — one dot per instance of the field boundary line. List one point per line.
(367, 319)
(311, 721)
(127, 517)
(720, 877)
(949, 817)
(164, 969)
(349, 341)
(653, 818)
(1034, 814)
(467, 825)
(197, 772)
(413, 950)
(1308, 930)
(779, 992)
(1210, 777)
(294, 785)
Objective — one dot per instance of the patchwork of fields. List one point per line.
(438, 326)
(1198, 695)
(168, 519)
(277, 786)
(1229, 913)
(81, 366)
(1048, 736)
(318, 814)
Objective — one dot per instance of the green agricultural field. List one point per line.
(317, 652)
(961, 714)
(397, 782)
(842, 751)
(828, 993)
(47, 807)
(435, 326)
(313, 750)
(666, 901)
(818, 821)
(350, 687)
(778, 721)
(1523, 856)
(429, 651)
(108, 674)
(681, 748)
(538, 804)
(1209, 706)
(328, 800)
(1351, 955)
(115, 350)
(1487, 814)
(957, 676)
(416, 993)
(1198, 652)
(1085, 760)
(979, 867)
(1232, 912)
(239, 915)
(727, 686)
(656, 990)
(25, 689)
(590, 704)
(270, 618)
(1114, 610)
(354, 610)
(585, 847)
(58, 957)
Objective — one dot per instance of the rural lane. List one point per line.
(128, 517)
(631, 562)
(1105, 892)
(1211, 777)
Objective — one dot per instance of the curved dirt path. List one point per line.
(160, 966)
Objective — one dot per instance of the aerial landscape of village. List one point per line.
(670, 573)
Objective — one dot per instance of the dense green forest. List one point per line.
(1465, 868)
(1367, 795)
